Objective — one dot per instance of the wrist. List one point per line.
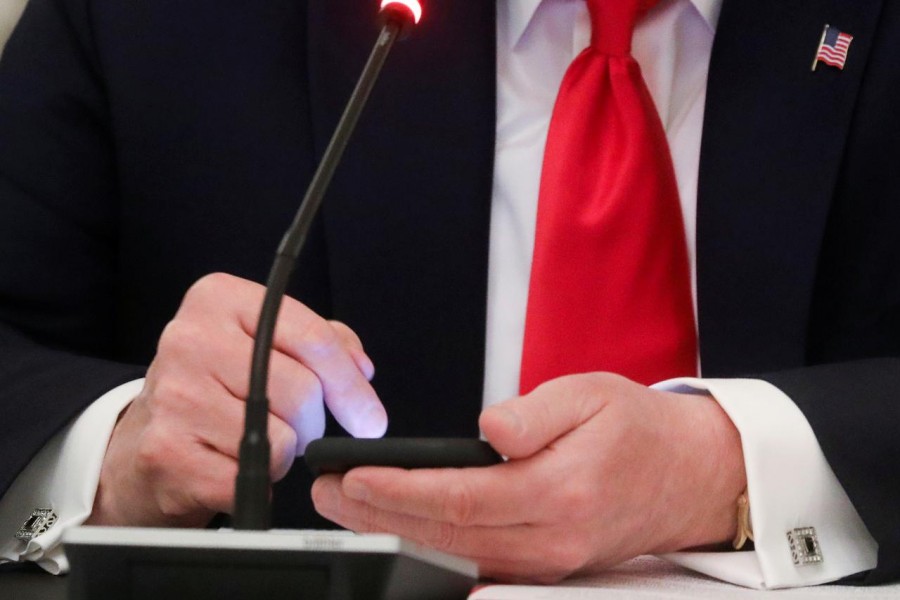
(716, 462)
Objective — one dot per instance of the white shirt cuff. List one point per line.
(62, 477)
(790, 485)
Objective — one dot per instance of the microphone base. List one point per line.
(144, 564)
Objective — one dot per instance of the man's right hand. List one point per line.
(172, 458)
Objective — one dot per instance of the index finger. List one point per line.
(314, 342)
(498, 495)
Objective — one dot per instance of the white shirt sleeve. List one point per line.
(62, 477)
(790, 485)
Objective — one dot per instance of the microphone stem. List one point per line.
(252, 503)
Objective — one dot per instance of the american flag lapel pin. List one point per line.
(833, 48)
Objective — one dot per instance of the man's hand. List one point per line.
(601, 469)
(172, 459)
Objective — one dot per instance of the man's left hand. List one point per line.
(601, 469)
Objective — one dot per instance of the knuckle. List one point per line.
(340, 327)
(346, 333)
(372, 521)
(606, 380)
(545, 415)
(154, 450)
(209, 285)
(442, 536)
(459, 505)
(319, 338)
(593, 392)
(172, 397)
(601, 379)
(178, 339)
(565, 557)
(209, 292)
(361, 519)
(575, 500)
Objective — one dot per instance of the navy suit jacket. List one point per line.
(146, 143)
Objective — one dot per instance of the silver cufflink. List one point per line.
(39, 522)
(805, 548)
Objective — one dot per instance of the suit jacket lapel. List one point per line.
(407, 217)
(773, 139)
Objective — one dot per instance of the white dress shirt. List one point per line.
(789, 481)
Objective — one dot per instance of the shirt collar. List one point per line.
(520, 13)
(709, 10)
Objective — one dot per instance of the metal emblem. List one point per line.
(805, 548)
(39, 522)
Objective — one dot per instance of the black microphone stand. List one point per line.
(252, 510)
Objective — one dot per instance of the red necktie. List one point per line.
(610, 281)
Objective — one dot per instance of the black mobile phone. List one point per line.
(339, 455)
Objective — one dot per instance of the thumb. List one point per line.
(521, 426)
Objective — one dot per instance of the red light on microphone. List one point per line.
(412, 6)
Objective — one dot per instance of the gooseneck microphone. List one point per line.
(252, 505)
(248, 562)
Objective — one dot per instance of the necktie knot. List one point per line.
(612, 23)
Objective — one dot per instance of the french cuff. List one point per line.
(57, 488)
(806, 530)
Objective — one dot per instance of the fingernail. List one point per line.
(511, 420)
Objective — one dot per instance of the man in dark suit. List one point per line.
(132, 166)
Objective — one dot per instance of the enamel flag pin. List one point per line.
(833, 48)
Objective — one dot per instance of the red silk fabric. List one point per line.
(610, 280)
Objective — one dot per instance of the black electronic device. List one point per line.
(339, 455)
